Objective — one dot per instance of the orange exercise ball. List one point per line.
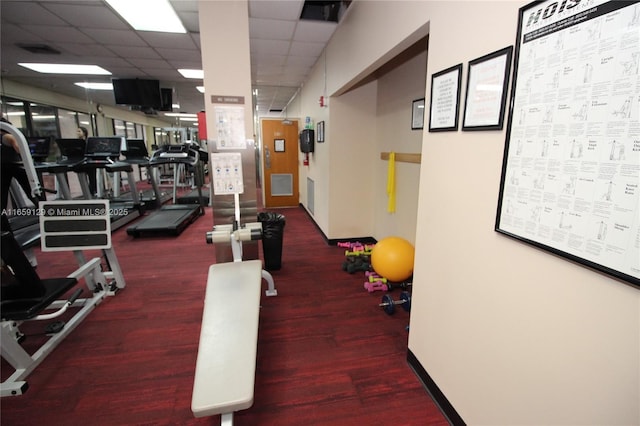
(392, 258)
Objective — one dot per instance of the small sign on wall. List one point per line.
(222, 99)
(227, 173)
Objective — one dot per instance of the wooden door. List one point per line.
(280, 163)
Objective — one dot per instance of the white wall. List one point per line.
(396, 91)
(510, 334)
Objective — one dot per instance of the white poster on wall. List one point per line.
(226, 173)
(230, 127)
(571, 171)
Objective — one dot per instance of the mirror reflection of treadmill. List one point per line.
(172, 219)
(104, 153)
(136, 154)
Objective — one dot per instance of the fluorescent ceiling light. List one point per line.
(66, 69)
(95, 86)
(180, 114)
(200, 89)
(186, 73)
(188, 119)
(149, 15)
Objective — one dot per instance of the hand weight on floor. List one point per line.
(389, 305)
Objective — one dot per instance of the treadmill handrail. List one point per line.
(186, 155)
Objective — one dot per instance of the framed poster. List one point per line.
(417, 114)
(278, 145)
(320, 131)
(445, 99)
(487, 91)
(571, 169)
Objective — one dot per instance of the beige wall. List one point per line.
(353, 152)
(226, 20)
(510, 334)
(396, 91)
(362, 121)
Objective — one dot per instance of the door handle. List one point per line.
(267, 158)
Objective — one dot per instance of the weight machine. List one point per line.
(227, 179)
(25, 297)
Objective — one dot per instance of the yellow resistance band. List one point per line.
(391, 183)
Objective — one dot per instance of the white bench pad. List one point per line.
(225, 369)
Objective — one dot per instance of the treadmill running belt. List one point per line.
(169, 220)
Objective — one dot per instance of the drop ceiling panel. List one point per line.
(150, 65)
(299, 48)
(287, 10)
(300, 62)
(172, 41)
(87, 16)
(271, 29)
(21, 11)
(315, 31)
(134, 52)
(191, 55)
(115, 37)
(13, 34)
(58, 34)
(270, 47)
(86, 50)
(259, 60)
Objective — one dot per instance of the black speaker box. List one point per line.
(307, 138)
(167, 99)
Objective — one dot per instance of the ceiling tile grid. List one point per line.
(283, 48)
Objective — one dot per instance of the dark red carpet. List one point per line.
(327, 354)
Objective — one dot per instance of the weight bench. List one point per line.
(226, 364)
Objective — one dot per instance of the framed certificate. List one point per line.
(487, 91)
(445, 99)
(417, 114)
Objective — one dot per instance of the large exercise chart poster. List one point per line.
(571, 168)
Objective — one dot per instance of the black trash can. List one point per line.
(272, 234)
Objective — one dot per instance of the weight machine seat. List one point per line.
(23, 308)
(23, 294)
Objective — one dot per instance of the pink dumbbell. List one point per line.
(376, 286)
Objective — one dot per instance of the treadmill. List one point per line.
(137, 154)
(104, 153)
(196, 195)
(171, 219)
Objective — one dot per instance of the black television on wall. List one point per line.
(137, 92)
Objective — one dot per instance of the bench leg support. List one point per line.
(271, 291)
(226, 419)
